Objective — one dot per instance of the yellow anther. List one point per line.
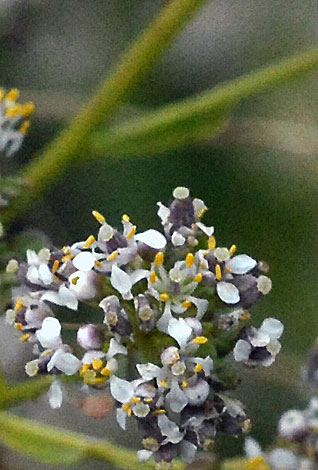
(165, 297)
(200, 340)
(228, 270)
(65, 249)
(189, 260)
(13, 94)
(232, 250)
(25, 337)
(97, 364)
(131, 233)
(56, 278)
(14, 111)
(90, 240)
(25, 127)
(164, 383)
(185, 384)
(160, 411)
(126, 407)
(135, 400)
(198, 277)
(97, 381)
(84, 369)
(201, 212)
(47, 352)
(99, 217)
(211, 243)
(98, 264)
(67, 257)
(257, 463)
(245, 316)
(27, 109)
(153, 277)
(113, 255)
(106, 372)
(18, 326)
(19, 304)
(186, 304)
(198, 368)
(126, 218)
(147, 400)
(75, 280)
(218, 272)
(55, 266)
(1, 94)
(159, 258)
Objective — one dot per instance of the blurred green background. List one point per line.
(259, 178)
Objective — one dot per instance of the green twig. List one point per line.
(58, 446)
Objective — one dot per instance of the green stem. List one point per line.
(132, 67)
(31, 389)
(166, 128)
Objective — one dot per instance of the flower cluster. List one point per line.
(175, 298)
(13, 121)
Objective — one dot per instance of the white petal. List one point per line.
(188, 451)
(176, 398)
(163, 322)
(227, 292)
(201, 305)
(283, 459)
(115, 348)
(32, 257)
(180, 331)
(177, 239)
(120, 280)
(207, 230)
(55, 395)
(90, 356)
(273, 327)
(49, 334)
(152, 238)
(148, 371)
(198, 393)
(264, 284)
(137, 275)
(252, 448)
(33, 274)
(84, 261)
(242, 350)
(121, 390)
(144, 455)
(121, 416)
(169, 429)
(45, 274)
(259, 339)
(65, 362)
(67, 298)
(241, 264)
(163, 212)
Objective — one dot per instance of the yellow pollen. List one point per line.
(186, 304)
(113, 255)
(56, 278)
(135, 400)
(1, 94)
(89, 241)
(106, 372)
(245, 316)
(228, 270)
(27, 109)
(200, 340)
(131, 233)
(189, 260)
(164, 383)
(98, 264)
(67, 257)
(159, 412)
(126, 218)
(159, 258)
(201, 213)
(198, 277)
(97, 381)
(13, 111)
(257, 463)
(84, 369)
(25, 337)
(13, 94)
(19, 304)
(153, 277)
(47, 352)
(218, 272)
(165, 297)
(99, 217)
(126, 406)
(147, 400)
(198, 368)
(185, 384)
(232, 250)
(75, 280)
(25, 127)
(18, 326)
(211, 243)
(97, 364)
(55, 266)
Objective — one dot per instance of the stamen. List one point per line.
(232, 250)
(245, 316)
(99, 217)
(18, 326)
(211, 243)
(13, 111)
(186, 304)
(159, 258)
(97, 364)
(27, 110)
(126, 218)
(13, 94)
(148, 400)
(75, 280)
(25, 337)
(19, 304)
(164, 383)
(200, 340)
(153, 277)
(135, 400)
(165, 297)
(84, 369)
(106, 372)
(159, 412)
(189, 260)
(90, 240)
(113, 255)
(185, 384)
(126, 407)
(98, 264)
(131, 233)
(198, 277)
(55, 266)
(218, 272)
(25, 127)
(257, 463)
(198, 368)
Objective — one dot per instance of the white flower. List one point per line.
(49, 334)
(65, 362)
(152, 238)
(55, 394)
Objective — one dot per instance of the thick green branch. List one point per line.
(201, 116)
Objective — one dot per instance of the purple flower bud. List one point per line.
(90, 337)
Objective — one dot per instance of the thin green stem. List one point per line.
(130, 69)
(29, 390)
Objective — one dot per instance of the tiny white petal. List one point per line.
(201, 305)
(32, 368)
(152, 238)
(84, 261)
(148, 371)
(137, 275)
(121, 416)
(45, 274)
(55, 395)
(49, 334)
(176, 398)
(273, 327)
(252, 448)
(241, 264)
(180, 192)
(221, 254)
(65, 362)
(121, 390)
(32, 257)
(67, 298)
(188, 451)
(33, 274)
(163, 212)
(179, 330)
(264, 284)
(227, 292)
(177, 239)
(144, 455)
(207, 230)
(169, 429)
(242, 350)
(91, 356)
(198, 393)
(163, 322)
(120, 280)
(115, 348)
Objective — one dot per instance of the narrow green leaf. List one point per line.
(29, 390)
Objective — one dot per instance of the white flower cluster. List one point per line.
(175, 296)
(13, 121)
